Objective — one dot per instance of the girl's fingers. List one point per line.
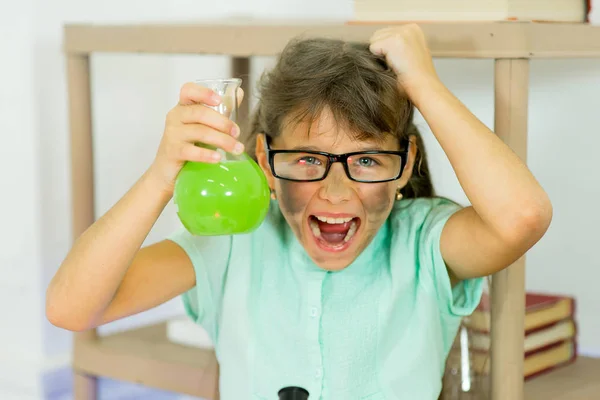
(377, 49)
(382, 34)
(194, 133)
(240, 95)
(192, 93)
(200, 114)
(190, 152)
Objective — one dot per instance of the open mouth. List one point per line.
(333, 234)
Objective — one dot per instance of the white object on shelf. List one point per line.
(594, 17)
(185, 332)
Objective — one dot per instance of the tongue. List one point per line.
(334, 233)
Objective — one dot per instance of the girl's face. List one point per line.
(335, 219)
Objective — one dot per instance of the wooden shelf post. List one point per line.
(82, 185)
(240, 68)
(511, 87)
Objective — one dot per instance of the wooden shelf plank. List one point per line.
(147, 357)
(446, 39)
(563, 40)
(578, 381)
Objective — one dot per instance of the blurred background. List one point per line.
(133, 93)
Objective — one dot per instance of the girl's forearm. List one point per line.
(498, 184)
(92, 271)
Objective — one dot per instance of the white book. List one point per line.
(185, 332)
(594, 16)
(471, 10)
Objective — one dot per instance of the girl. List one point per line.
(355, 284)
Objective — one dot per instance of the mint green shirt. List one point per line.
(379, 329)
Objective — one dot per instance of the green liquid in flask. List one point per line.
(230, 197)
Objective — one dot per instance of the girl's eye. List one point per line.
(366, 162)
(309, 160)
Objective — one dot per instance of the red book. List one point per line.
(534, 339)
(541, 310)
(536, 362)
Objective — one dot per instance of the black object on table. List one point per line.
(293, 393)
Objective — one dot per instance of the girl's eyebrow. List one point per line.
(372, 147)
(305, 148)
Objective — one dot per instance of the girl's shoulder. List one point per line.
(410, 215)
(422, 206)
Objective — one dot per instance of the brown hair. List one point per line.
(356, 86)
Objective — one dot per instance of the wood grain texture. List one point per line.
(511, 91)
(85, 387)
(146, 356)
(82, 184)
(262, 38)
(579, 381)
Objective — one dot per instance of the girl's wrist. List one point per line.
(154, 182)
(421, 88)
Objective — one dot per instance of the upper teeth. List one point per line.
(314, 226)
(334, 220)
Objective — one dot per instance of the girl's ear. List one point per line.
(410, 163)
(261, 156)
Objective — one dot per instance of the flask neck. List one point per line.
(227, 89)
(293, 393)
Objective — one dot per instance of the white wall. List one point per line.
(132, 93)
(564, 123)
(20, 285)
(565, 127)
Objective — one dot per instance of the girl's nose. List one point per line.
(336, 187)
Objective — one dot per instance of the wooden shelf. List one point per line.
(146, 356)
(578, 381)
(456, 40)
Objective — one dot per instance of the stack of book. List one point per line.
(550, 334)
(472, 10)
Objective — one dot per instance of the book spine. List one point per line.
(555, 366)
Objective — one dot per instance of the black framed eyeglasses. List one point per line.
(371, 166)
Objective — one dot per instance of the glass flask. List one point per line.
(228, 197)
(464, 377)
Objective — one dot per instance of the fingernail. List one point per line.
(238, 149)
(216, 98)
(235, 131)
(216, 156)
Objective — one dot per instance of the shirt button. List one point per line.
(319, 373)
(314, 312)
